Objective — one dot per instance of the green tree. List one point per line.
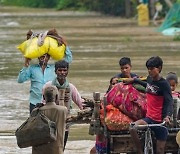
(32, 3)
(112, 7)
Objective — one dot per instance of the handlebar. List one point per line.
(149, 125)
(173, 129)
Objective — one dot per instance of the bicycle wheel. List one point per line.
(148, 147)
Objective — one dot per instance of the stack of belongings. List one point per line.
(126, 103)
(49, 42)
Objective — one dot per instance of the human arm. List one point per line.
(76, 97)
(135, 80)
(25, 72)
(68, 55)
(24, 75)
(26, 62)
(168, 103)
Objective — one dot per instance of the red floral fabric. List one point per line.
(128, 100)
(115, 120)
(175, 94)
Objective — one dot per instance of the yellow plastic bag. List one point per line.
(30, 48)
(55, 51)
(143, 15)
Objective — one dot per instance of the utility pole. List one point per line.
(152, 9)
(128, 8)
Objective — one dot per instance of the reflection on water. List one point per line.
(97, 43)
(8, 146)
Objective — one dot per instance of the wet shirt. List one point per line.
(57, 114)
(159, 99)
(38, 79)
(74, 95)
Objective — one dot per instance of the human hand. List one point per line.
(27, 62)
(38, 105)
(66, 97)
(167, 120)
(128, 80)
(64, 41)
(87, 103)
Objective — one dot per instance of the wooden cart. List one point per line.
(121, 141)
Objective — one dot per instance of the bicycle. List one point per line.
(148, 146)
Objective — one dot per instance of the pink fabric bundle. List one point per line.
(129, 100)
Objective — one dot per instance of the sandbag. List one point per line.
(55, 51)
(30, 48)
(115, 120)
(128, 99)
(36, 130)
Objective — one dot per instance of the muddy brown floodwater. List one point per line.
(97, 43)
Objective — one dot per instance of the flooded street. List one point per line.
(97, 43)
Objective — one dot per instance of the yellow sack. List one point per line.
(30, 48)
(55, 51)
(143, 15)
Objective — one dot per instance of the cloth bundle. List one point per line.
(115, 119)
(128, 100)
(125, 105)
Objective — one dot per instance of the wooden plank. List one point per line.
(121, 143)
(124, 144)
(171, 145)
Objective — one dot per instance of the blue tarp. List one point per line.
(171, 31)
(171, 24)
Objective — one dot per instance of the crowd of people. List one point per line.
(159, 93)
(50, 86)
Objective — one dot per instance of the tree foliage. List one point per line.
(32, 3)
(112, 7)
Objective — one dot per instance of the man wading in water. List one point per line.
(38, 74)
(68, 92)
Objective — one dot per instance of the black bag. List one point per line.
(36, 130)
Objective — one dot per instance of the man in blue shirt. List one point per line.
(38, 74)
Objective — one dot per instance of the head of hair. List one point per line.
(61, 64)
(124, 61)
(111, 80)
(50, 93)
(154, 62)
(47, 55)
(172, 76)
